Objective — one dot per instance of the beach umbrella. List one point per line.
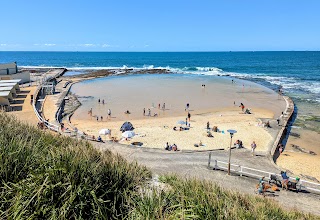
(181, 122)
(128, 134)
(104, 131)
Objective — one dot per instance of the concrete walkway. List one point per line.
(194, 165)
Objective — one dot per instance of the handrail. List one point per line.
(36, 94)
(242, 170)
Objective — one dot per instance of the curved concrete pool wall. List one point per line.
(287, 118)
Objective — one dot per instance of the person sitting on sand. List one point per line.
(127, 112)
(200, 143)
(93, 137)
(99, 139)
(167, 146)
(174, 128)
(208, 125)
(155, 115)
(181, 129)
(267, 124)
(174, 147)
(209, 134)
(238, 144)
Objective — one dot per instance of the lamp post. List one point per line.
(232, 132)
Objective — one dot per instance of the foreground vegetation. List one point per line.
(45, 176)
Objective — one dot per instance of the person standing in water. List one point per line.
(109, 113)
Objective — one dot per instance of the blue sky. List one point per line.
(159, 25)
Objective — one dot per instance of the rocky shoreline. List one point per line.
(108, 72)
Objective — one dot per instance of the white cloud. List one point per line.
(3, 45)
(106, 45)
(147, 45)
(87, 45)
(49, 45)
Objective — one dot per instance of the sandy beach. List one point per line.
(302, 162)
(217, 103)
(154, 132)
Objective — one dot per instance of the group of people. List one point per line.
(149, 112)
(171, 147)
(101, 117)
(163, 106)
(101, 101)
(285, 183)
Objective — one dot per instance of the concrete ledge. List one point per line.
(287, 118)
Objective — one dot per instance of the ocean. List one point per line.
(297, 72)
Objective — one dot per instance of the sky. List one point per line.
(159, 25)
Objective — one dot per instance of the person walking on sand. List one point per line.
(109, 113)
(189, 116)
(253, 148)
(164, 106)
(144, 111)
(242, 106)
(99, 100)
(187, 107)
(149, 112)
(101, 118)
(103, 101)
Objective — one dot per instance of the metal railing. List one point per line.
(34, 102)
(255, 173)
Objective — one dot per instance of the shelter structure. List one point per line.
(10, 71)
(12, 84)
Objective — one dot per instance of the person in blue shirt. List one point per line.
(285, 179)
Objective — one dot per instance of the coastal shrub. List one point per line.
(194, 199)
(46, 176)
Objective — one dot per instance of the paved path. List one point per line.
(190, 165)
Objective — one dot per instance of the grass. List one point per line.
(194, 199)
(46, 176)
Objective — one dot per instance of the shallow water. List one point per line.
(135, 92)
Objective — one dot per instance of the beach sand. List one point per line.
(154, 132)
(301, 162)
